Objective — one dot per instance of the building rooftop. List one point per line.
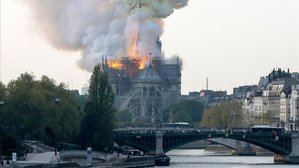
(148, 75)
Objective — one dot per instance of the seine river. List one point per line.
(197, 158)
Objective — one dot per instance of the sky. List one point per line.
(230, 42)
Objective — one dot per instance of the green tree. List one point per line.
(2, 100)
(181, 116)
(29, 110)
(186, 111)
(223, 114)
(265, 118)
(98, 124)
(123, 116)
(2, 91)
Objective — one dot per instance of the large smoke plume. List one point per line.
(110, 28)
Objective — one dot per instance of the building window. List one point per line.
(144, 90)
(152, 91)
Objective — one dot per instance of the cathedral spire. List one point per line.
(151, 58)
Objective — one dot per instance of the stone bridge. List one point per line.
(159, 140)
(241, 147)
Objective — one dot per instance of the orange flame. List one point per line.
(115, 64)
(133, 54)
(132, 50)
(142, 62)
(132, 47)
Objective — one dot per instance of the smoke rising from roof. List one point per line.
(112, 28)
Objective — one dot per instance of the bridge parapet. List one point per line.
(145, 138)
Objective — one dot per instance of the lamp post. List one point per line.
(209, 123)
(225, 121)
(234, 122)
(292, 124)
(56, 108)
(1, 104)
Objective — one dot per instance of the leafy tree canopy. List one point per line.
(124, 116)
(2, 91)
(99, 120)
(265, 118)
(224, 114)
(186, 111)
(29, 110)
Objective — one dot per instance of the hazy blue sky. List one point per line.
(232, 42)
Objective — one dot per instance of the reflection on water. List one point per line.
(197, 158)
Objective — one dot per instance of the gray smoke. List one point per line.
(103, 27)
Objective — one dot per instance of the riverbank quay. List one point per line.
(43, 165)
(80, 158)
(99, 159)
(40, 160)
(132, 162)
(220, 149)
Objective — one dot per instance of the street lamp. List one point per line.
(56, 104)
(292, 124)
(225, 121)
(1, 104)
(234, 122)
(209, 123)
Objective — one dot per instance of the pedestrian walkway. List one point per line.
(45, 157)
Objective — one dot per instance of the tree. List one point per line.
(223, 114)
(30, 108)
(98, 124)
(2, 100)
(124, 116)
(186, 111)
(181, 116)
(265, 118)
(2, 91)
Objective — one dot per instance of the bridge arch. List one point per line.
(228, 143)
(267, 141)
(145, 139)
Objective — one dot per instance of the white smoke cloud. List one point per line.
(103, 27)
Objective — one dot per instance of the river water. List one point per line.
(197, 158)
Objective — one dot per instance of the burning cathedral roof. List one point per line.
(148, 75)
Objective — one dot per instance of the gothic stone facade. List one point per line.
(145, 93)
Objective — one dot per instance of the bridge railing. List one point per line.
(229, 131)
